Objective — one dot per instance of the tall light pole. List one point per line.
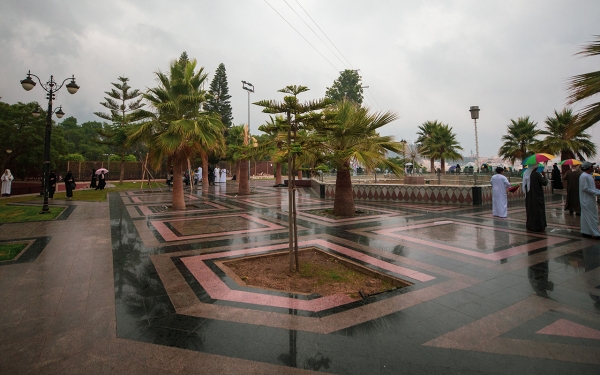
(475, 115)
(250, 88)
(51, 87)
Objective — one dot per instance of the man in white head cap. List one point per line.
(587, 199)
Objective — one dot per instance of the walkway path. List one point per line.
(143, 292)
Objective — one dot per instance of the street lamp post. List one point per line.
(475, 115)
(51, 87)
(250, 88)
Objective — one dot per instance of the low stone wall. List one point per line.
(432, 194)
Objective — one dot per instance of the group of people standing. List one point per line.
(581, 196)
(69, 181)
(216, 175)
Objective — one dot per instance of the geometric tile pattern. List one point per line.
(108, 293)
(204, 227)
(506, 246)
(217, 289)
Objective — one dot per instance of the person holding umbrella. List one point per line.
(556, 177)
(589, 207)
(101, 175)
(533, 187)
(101, 181)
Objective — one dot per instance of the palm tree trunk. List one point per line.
(178, 196)
(278, 176)
(432, 163)
(443, 165)
(343, 204)
(204, 172)
(244, 184)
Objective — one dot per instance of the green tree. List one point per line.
(347, 86)
(271, 129)
(178, 128)
(354, 137)
(71, 157)
(297, 115)
(520, 141)
(585, 86)
(424, 134)
(218, 100)
(565, 135)
(124, 105)
(23, 135)
(443, 145)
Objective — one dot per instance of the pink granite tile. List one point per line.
(563, 327)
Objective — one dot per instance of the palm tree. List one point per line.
(178, 128)
(566, 136)
(424, 135)
(519, 142)
(354, 137)
(442, 144)
(585, 86)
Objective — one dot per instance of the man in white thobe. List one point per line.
(587, 198)
(217, 174)
(500, 185)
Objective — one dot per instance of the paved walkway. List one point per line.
(128, 286)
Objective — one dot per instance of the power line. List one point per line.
(314, 32)
(333, 44)
(302, 36)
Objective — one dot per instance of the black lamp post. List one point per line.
(474, 116)
(51, 87)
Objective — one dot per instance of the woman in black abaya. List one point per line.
(93, 184)
(101, 181)
(69, 184)
(535, 207)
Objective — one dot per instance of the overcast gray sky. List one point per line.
(425, 60)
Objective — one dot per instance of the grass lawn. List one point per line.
(10, 250)
(20, 214)
(91, 195)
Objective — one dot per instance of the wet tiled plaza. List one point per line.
(129, 286)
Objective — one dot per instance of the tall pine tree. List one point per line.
(124, 105)
(218, 101)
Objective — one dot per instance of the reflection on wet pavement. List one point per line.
(486, 296)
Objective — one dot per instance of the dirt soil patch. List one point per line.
(328, 213)
(320, 273)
